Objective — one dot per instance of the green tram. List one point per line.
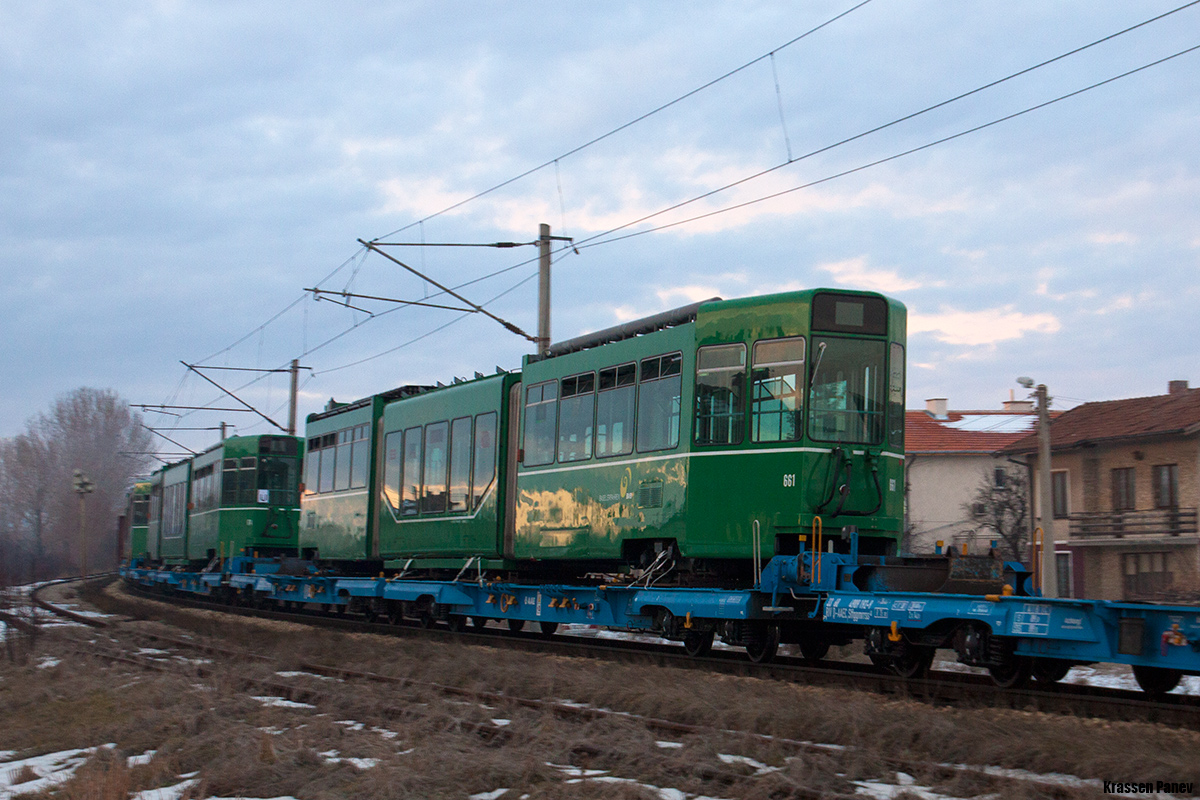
(137, 517)
(683, 439)
(239, 497)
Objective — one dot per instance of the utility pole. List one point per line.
(83, 487)
(295, 370)
(543, 329)
(1045, 499)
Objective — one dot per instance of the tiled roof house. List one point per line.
(1125, 491)
(948, 455)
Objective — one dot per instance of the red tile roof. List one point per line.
(1136, 418)
(925, 434)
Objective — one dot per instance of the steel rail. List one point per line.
(940, 688)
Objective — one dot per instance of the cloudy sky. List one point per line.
(173, 175)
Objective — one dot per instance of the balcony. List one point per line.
(1133, 524)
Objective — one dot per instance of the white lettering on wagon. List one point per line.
(1033, 621)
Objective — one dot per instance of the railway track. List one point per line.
(939, 688)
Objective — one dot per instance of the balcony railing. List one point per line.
(1117, 524)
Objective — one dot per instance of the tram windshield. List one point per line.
(280, 477)
(847, 390)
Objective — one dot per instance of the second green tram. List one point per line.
(716, 433)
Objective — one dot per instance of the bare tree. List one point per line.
(1001, 507)
(88, 429)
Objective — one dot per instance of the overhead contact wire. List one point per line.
(632, 122)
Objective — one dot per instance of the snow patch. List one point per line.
(280, 702)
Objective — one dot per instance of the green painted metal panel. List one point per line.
(335, 523)
(406, 529)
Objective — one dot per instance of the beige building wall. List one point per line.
(1099, 564)
(938, 488)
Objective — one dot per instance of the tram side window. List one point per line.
(541, 403)
(360, 456)
(485, 456)
(156, 496)
(433, 496)
(576, 412)
(896, 397)
(720, 393)
(328, 446)
(174, 510)
(775, 399)
(460, 464)
(658, 403)
(412, 471)
(141, 510)
(231, 481)
(614, 411)
(312, 465)
(204, 494)
(341, 475)
(392, 476)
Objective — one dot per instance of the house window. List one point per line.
(1123, 494)
(999, 477)
(1146, 574)
(1166, 486)
(1062, 564)
(1058, 494)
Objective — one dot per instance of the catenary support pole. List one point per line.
(295, 370)
(1045, 499)
(543, 328)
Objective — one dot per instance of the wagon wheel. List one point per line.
(1157, 680)
(763, 643)
(424, 614)
(697, 643)
(913, 661)
(814, 649)
(879, 660)
(1012, 673)
(547, 629)
(515, 625)
(478, 622)
(1050, 670)
(456, 623)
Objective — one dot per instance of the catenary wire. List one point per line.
(632, 122)
(600, 238)
(591, 240)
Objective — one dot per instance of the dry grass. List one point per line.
(205, 721)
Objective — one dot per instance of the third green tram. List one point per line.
(239, 497)
(691, 442)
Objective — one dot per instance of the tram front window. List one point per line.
(847, 390)
(279, 476)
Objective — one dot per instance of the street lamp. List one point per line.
(1049, 572)
(83, 487)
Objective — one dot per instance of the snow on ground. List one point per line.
(39, 773)
(142, 760)
(279, 702)
(293, 673)
(334, 757)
